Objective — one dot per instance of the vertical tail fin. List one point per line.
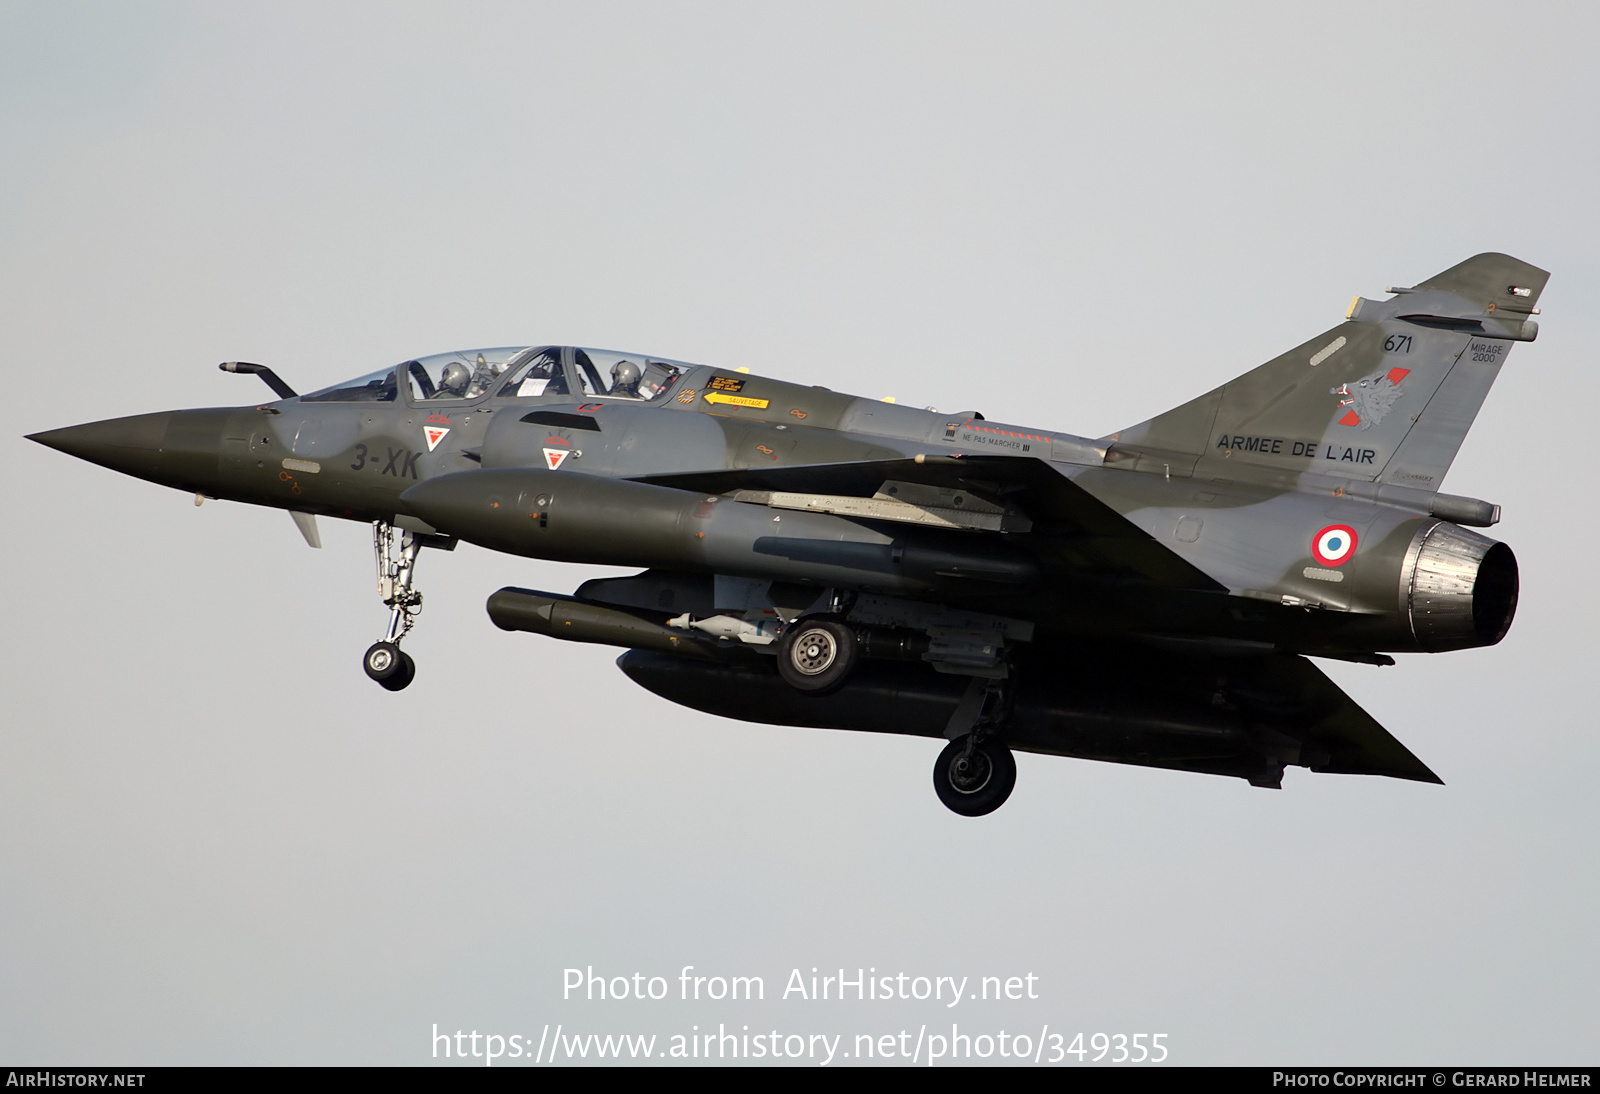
(1386, 396)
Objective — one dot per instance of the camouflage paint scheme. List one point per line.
(1157, 589)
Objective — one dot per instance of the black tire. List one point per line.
(402, 679)
(978, 787)
(817, 654)
(383, 661)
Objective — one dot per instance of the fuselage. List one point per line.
(353, 451)
(808, 557)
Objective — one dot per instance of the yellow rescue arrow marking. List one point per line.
(735, 400)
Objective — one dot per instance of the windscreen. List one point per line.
(374, 387)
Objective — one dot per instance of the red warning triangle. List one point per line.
(434, 434)
(555, 457)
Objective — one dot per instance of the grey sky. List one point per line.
(220, 843)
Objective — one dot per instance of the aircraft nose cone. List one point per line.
(130, 445)
(179, 448)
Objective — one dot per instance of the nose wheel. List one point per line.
(389, 665)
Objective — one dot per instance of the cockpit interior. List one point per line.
(512, 372)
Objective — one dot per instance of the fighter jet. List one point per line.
(813, 558)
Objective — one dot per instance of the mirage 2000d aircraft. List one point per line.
(815, 559)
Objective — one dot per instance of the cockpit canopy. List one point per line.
(513, 372)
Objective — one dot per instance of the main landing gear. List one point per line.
(385, 661)
(975, 773)
(973, 776)
(817, 654)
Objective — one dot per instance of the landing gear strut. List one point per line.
(385, 661)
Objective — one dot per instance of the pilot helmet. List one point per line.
(454, 378)
(625, 376)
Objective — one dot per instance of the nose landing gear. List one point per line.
(385, 661)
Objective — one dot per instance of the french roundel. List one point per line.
(1334, 545)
